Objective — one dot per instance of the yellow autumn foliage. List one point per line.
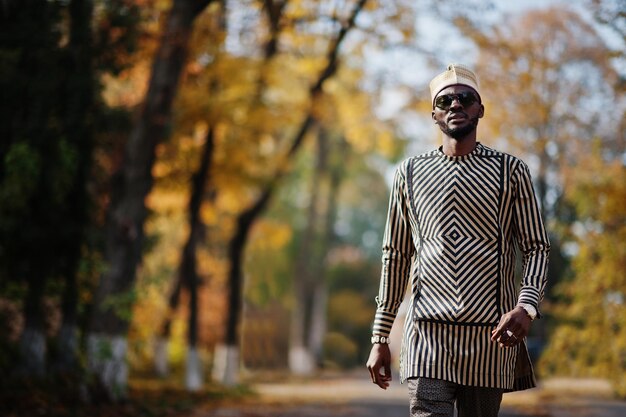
(590, 339)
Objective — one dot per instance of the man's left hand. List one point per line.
(513, 328)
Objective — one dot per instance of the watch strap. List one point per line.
(376, 339)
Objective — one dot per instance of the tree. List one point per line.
(309, 305)
(37, 163)
(247, 218)
(591, 303)
(107, 344)
(51, 99)
(80, 113)
(187, 277)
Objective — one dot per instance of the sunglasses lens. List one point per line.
(466, 99)
(445, 101)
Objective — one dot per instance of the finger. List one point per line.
(505, 337)
(373, 376)
(511, 339)
(383, 382)
(506, 343)
(501, 328)
(386, 378)
(373, 372)
(377, 378)
(381, 379)
(497, 333)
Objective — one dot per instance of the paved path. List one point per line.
(365, 409)
(355, 396)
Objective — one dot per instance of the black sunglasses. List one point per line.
(465, 98)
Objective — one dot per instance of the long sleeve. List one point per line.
(398, 250)
(532, 239)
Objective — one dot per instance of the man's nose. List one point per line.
(456, 103)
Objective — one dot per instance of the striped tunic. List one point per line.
(452, 230)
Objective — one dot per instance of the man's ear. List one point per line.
(432, 115)
(481, 112)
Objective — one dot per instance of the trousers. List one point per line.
(437, 398)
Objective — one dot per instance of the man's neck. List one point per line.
(454, 147)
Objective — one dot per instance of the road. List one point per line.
(355, 396)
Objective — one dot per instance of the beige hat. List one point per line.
(454, 75)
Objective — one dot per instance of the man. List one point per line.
(456, 215)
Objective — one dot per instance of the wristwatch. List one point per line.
(530, 310)
(380, 339)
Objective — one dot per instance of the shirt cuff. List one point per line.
(383, 321)
(529, 295)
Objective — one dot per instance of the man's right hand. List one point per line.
(380, 360)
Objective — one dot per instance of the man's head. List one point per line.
(456, 101)
(456, 74)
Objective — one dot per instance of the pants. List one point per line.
(436, 398)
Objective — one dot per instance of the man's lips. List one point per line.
(457, 116)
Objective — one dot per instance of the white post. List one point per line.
(107, 360)
(193, 374)
(226, 365)
(161, 364)
(33, 347)
(301, 361)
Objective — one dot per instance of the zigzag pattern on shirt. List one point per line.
(457, 209)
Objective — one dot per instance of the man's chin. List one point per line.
(461, 132)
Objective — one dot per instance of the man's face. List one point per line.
(457, 111)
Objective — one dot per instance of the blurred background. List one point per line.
(195, 190)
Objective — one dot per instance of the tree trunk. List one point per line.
(32, 114)
(193, 373)
(66, 358)
(316, 241)
(318, 326)
(193, 380)
(236, 249)
(301, 360)
(187, 272)
(33, 339)
(188, 268)
(187, 276)
(226, 364)
(161, 347)
(79, 116)
(127, 212)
